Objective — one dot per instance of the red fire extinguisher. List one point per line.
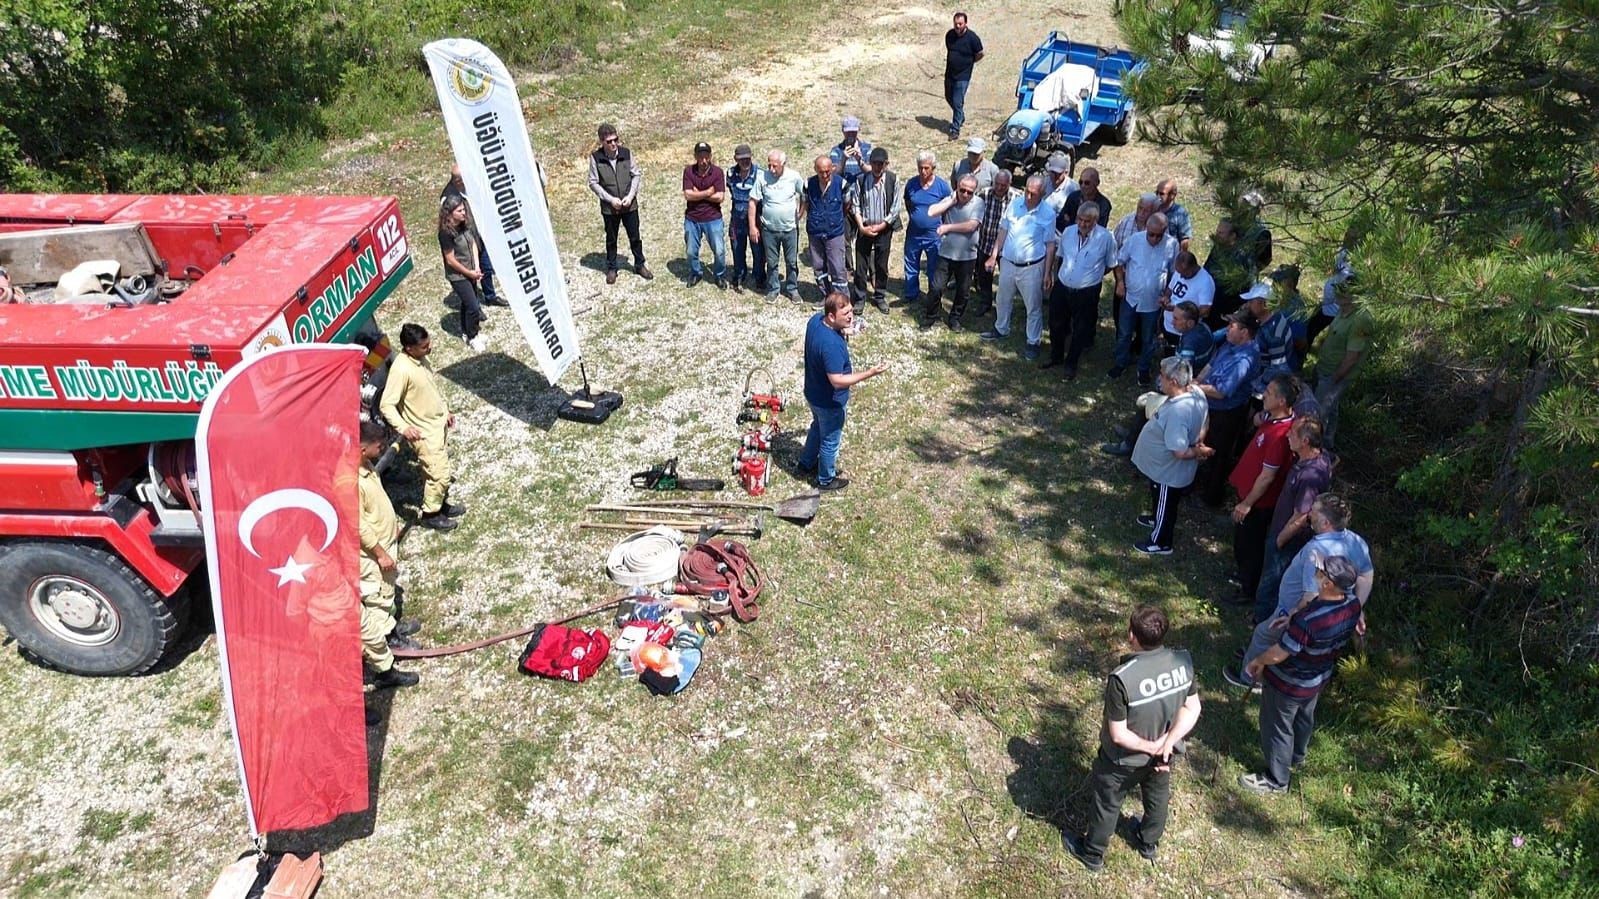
(751, 469)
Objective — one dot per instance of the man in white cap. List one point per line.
(975, 165)
(851, 159)
(1061, 184)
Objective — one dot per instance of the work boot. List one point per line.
(406, 628)
(394, 677)
(451, 510)
(373, 719)
(438, 521)
(398, 642)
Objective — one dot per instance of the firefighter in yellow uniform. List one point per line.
(379, 567)
(414, 406)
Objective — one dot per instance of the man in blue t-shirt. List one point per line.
(828, 378)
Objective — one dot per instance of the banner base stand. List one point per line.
(284, 876)
(587, 407)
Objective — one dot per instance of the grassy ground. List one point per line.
(914, 713)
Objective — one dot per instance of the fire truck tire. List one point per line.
(80, 609)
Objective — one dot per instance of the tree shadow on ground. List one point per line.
(507, 384)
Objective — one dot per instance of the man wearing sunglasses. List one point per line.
(615, 177)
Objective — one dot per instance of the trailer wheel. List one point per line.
(1123, 132)
(80, 609)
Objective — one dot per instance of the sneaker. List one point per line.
(1234, 675)
(452, 510)
(991, 334)
(1031, 352)
(407, 627)
(394, 677)
(1074, 848)
(1116, 372)
(478, 344)
(438, 522)
(834, 484)
(1146, 521)
(644, 272)
(1150, 548)
(1135, 838)
(1260, 785)
(1119, 448)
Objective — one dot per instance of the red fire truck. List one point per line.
(129, 309)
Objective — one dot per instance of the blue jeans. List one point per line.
(741, 241)
(822, 441)
(786, 245)
(920, 249)
(487, 268)
(711, 231)
(955, 96)
(1146, 322)
(1271, 574)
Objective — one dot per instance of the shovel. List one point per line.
(798, 509)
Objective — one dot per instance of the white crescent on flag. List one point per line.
(288, 498)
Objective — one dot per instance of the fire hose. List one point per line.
(645, 558)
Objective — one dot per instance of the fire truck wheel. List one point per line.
(81, 609)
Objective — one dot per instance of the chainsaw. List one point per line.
(664, 477)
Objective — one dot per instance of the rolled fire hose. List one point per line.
(648, 557)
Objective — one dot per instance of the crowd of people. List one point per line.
(1235, 411)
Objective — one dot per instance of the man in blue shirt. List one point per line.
(740, 180)
(828, 379)
(822, 207)
(1227, 383)
(850, 159)
(922, 193)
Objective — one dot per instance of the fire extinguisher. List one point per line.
(751, 469)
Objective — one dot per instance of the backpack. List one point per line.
(564, 653)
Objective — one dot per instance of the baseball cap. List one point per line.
(1058, 163)
(1341, 571)
(1249, 322)
(1260, 291)
(850, 123)
(702, 147)
(976, 145)
(742, 151)
(878, 155)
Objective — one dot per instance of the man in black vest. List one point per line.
(615, 178)
(1151, 703)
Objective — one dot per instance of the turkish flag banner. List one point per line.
(279, 453)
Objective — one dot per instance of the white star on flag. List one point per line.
(292, 570)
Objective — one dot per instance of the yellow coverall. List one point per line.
(380, 529)
(412, 399)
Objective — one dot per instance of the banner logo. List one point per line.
(469, 84)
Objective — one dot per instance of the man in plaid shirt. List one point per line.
(996, 199)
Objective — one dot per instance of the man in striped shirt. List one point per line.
(1297, 668)
(873, 203)
(996, 199)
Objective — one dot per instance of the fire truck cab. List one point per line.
(129, 310)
